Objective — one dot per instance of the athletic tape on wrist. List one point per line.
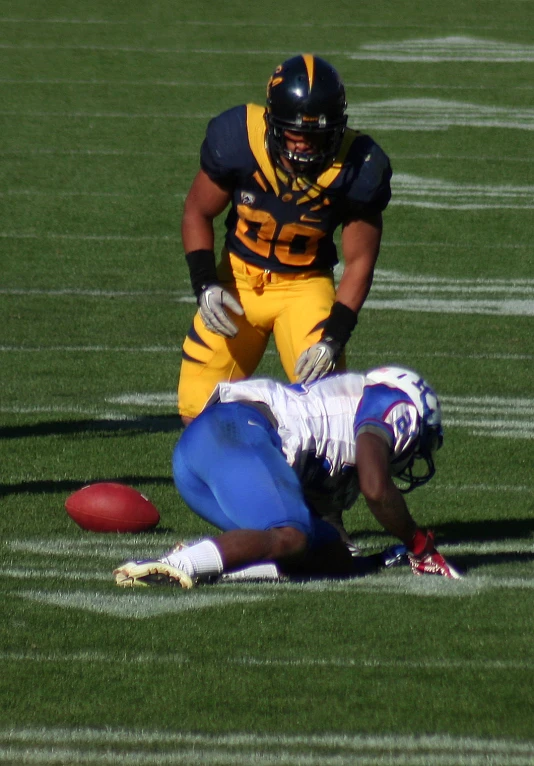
(202, 270)
(340, 324)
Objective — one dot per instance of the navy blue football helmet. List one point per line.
(305, 95)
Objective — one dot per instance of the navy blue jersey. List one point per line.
(283, 224)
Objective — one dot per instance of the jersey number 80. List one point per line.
(294, 244)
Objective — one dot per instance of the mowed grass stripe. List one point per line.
(412, 199)
(74, 574)
(385, 281)
(175, 152)
(250, 22)
(246, 84)
(104, 237)
(165, 398)
(460, 245)
(154, 658)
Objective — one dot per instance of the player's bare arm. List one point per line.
(387, 504)
(205, 201)
(360, 240)
(384, 499)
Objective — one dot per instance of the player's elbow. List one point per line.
(375, 487)
(194, 216)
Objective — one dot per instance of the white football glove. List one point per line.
(212, 305)
(317, 361)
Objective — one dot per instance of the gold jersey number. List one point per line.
(294, 244)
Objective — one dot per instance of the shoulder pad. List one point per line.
(370, 174)
(225, 148)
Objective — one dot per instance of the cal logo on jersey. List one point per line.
(247, 198)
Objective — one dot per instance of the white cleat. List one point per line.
(151, 572)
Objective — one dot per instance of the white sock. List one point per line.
(201, 560)
(267, 571)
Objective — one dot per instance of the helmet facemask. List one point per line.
(325, 143)
(420, 467)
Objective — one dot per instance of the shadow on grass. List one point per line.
(129, 427)
(51, 487)
(492, 531)
(462, 533)
(103, 427)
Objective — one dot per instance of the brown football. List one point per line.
(111, 507)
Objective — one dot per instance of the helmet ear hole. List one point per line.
(305, 95)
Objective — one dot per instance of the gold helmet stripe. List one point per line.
(309, 60)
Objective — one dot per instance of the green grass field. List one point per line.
(103, 108)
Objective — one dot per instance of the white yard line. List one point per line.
(142, 604)
(199, 756)
(48, 745)
(136, 605)
(513, 298)
(102, 547)
(493, 417)
(412, 114)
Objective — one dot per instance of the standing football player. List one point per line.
(264, 459)
(291, 174)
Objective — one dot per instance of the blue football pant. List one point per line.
(229, 468)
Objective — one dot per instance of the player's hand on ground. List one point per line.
(213, 304)
(317, 361)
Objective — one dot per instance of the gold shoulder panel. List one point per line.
(257, 139)
(330, 175)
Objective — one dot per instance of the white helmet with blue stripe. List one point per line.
(427, 403)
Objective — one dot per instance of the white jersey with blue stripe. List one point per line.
(318, 424)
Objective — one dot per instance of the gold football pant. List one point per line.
(294, 307)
